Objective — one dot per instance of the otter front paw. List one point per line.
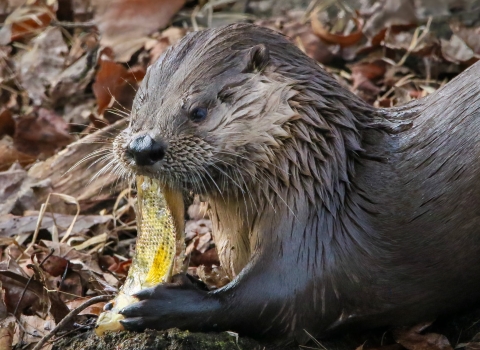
(182, 304)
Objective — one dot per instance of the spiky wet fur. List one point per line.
(271, 132)
(277, 127)
(312, 216)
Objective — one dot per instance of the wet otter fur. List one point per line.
(327, 212)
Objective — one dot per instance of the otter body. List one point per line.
(327, 213)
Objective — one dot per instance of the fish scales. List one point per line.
(154, 255)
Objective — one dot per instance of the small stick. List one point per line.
(30, 280)
(85, 25)
(69, 317)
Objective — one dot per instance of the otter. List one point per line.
(327, 212)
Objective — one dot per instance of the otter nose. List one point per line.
(145, 151)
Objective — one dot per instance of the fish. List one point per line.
(156, 247)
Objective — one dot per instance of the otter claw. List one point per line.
(109, 306)
(137, 324)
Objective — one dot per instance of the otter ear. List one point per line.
(255, 58)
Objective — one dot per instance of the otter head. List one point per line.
(209, 111)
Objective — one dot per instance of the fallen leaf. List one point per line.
(36, 328)
(70, 285)
(159, 45)
(41, 133)
(364, 75)
(413, 339)
(7, 124)
(457, 51)
(121, 268)
(54, 265)
(70, 82)
(40, 66)
(198, 210)
(18, 191)
(363, 71)
(12, 225)
(10, 155)
(471, 36)
(6, 336)
(3, 307)
(78, 260)
(343, 40)
(25, 20)
(405, 40)
(213, 276)
(115, 86)
(7, 75)
(125, 24)
(473, 344)
(10, 184)
(292, 25)
(385, 14)
(14, 281)
(92, 310)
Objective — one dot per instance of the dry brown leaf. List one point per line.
(41, 133)
(66, 174)
(54, 265)
(18, 192)
(7, 72)
(71, 285)
(363, 71)
(7, 124)
(125, 24)
(79, 260)
(12, 225)
(40, 66)
(121, 268)
(70, 82)
(14, 281)
(6, 336)
(114, 82)
(388, 13)
(197, 227)
(10, 155)
(3, 307)
(364, 75)
(159, 45)
(28, 19)
(93, 310)
(402, 40)
(81, 271)
(413, 339)
(198, 210)
(471, 36)
(337, 39)
(457, 51)
(213, 276)
(36, 328)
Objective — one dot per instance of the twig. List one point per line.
(73, 24)
(30, 280)
(70, 332)
(416, 40)
(69, 317)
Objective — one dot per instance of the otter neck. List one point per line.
(307, 192)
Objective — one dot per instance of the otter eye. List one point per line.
(198, 114)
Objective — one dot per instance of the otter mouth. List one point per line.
(179, 165)
(142, 156)
(175, 180)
